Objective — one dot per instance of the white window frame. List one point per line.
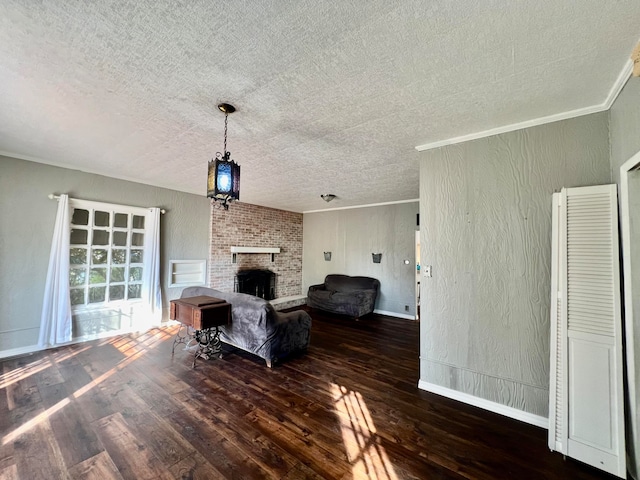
(112, 209)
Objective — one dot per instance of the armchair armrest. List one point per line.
(314, 288)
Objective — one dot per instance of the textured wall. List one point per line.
(27, 217)
(624, 125)
(352, 236)
(486, 229)
(246, 225)
(633, 426)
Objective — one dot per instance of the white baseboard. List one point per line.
(14, 352)
(494, 407)
(394, 314)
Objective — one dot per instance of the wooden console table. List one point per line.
(199, 319)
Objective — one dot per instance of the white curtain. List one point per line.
(55, 323)
(151, 292)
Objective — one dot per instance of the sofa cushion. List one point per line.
(345, 283)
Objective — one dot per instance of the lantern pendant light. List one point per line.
(223, 180)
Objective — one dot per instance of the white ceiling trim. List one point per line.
(413, 200)
(606, 105)
(619, 84)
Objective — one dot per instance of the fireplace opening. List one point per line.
(260, 283)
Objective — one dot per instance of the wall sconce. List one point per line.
(376, 257)
(327, 256)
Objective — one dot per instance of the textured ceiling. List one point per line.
(332, 96)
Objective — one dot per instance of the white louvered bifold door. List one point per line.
(587, 396)
(557, 376)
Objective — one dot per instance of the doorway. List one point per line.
(417, 273)
(630, 236)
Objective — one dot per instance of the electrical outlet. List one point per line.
(406, 308)
(427, 271)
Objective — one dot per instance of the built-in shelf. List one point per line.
(183, 273)
(255, 250)
(271, 250)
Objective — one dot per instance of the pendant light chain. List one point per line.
(226, 117)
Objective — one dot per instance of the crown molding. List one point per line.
(413, 200)
(606, 105)
(512, 127)
(619, 84)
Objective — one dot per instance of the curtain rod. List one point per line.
(53, 196)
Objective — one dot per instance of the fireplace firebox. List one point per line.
(260, 283)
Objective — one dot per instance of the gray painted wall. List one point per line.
(27, 218)
(624, 126)
(633, 410)
(486, 229)
(624, 137)
(351, 236)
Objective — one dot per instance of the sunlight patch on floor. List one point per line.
(41, 417)
(363, 446)
(17, 374)
(132, 348)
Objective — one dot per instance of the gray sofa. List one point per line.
(257, 328)
(342, 294)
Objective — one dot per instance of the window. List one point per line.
(106, 254)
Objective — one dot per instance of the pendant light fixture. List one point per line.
(223, 180)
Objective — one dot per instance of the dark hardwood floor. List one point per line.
(347, 409)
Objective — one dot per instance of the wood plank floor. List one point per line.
(349, 408)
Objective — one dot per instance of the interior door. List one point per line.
(586, 407)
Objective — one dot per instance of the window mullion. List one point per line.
(89, 255)
(107, 294)
(128, 264)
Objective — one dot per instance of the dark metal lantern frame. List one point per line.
(223, 179)
(223, 183)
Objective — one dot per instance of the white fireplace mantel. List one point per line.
(255, 250)
(236, 250)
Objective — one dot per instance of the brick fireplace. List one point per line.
(260, 283)
(246, 225)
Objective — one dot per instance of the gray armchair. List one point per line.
(342, 294)
(257, 328)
